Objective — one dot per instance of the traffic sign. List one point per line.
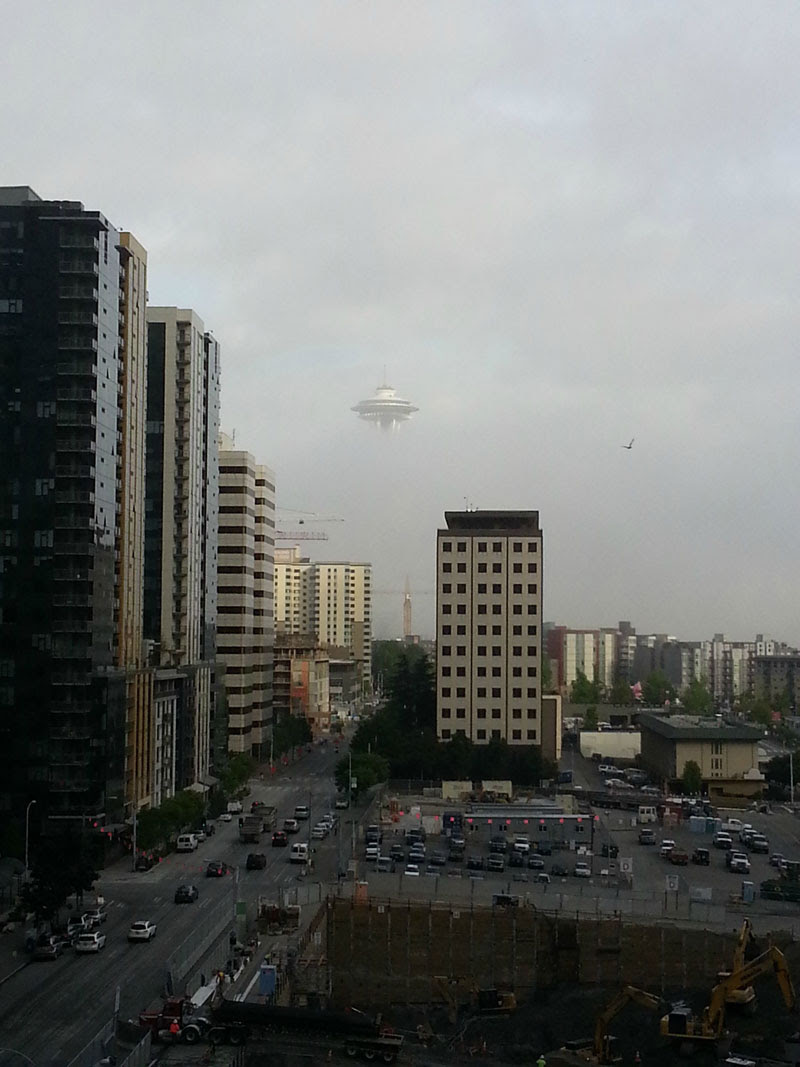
(671, 883)
(626, 865)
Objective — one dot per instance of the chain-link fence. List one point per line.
(208, 944)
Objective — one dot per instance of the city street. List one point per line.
(49, 1011)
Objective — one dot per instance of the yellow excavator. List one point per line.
(603, 1046)
(456, 991)
(743, 999)
(681, 1025)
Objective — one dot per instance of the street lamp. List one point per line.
(27, 835)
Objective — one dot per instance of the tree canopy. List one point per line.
(66, 863)
(692, 777)
(697, 698)
(584, 691)
(657, 689)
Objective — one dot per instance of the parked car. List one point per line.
(438, 859)
(739, 864)
(186, 894)
(411, 871)
(291, 826)
(397, 853)
(217, 869)
(498, 844)
(76, 927)
(142, 930)
(647, 837)
(667, 846)
(496, 863)
(302, 812)
(225, 816)
(517, 859)
(702, 857)
(48, 948)
(679, 857)
(143, 862)
(90, 942)
(372, 852)
(722, 840)
(475, 863)
(94, 917)
(558, 870)
(536, 862)
(758, 843)
(609, 851)
(521, 843)
(280, 839)
(256, 861)
(542, 878)
(777, 859)
(582, 870)
(385, 865)
(320, 831)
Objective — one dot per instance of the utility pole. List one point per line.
(791, 777)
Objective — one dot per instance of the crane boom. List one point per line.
(771, 960)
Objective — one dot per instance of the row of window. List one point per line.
(497, 609)
(481, 691)
(497, 587)
(480, 650)
(516, 713)
(483, 568)
(480, 735)
(483, 546)
(497, 631)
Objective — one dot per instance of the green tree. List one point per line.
(583, 691)
(368, 769)
(621, 694)
(761, 712)
(590, 719)
(547, 674)
(692, 777)
(239, 770)
(657, 689)
(697, 698)
(65, 863)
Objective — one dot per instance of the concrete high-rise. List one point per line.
(245, 613)
(180, 600)
(72, 361)
(331, 600)
(488, 621)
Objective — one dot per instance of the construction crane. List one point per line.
(305, 535)
(688, 1029)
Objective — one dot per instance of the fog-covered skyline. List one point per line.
(557, 226)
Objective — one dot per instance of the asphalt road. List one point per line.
(50, 1011)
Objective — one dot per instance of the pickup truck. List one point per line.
(678, 857)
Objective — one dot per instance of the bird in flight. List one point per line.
(630, 445)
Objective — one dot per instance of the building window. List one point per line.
(531, 650)
(531, 692)
(531, 672)
(481, 546)
(481, 735)
(531, 588)
(461, 609)
(497, 546)
(481, 650)
(496, 692)
(445, 713)
(497, 568)
(461, 692)
(532, 609)
(497, 630)
(446, 630)
(461, 546)
(531, 631)
(497, 672)
(481, 691)
(517, 568)
(516, 713)
(531, 735)
(461, 713)
(461, 672)
(497, 650)
(497, 587)
(517, 692)
(461, 568)
(481, 672)
(447, 588)
(531, 568)
(482, 630)
(481, 713)
(461, 650)
(446, 691)
(461, 631)
(481, 609)
(447, 609)
(516, 735)
(445, 650)
(516, 631)
(447, 546)
(445, 672)
(461, 588)
(517, 650)
(495, 735)
(481, 568)
(495, 713)
(447, 568)
(517, 546)
(481, 587)
(445, 735)
(516, 672)
(531, 546)
(517, 587)
(716, 748)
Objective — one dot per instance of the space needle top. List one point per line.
(385, 409)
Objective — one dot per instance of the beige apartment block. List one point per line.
(332, 600)
(245, 623)
(302, 680)
(488, 622)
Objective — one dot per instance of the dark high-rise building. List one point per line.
(182, 493)
(72, 292)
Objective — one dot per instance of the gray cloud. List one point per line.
(557, 225)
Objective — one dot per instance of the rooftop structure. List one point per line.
(385, 409)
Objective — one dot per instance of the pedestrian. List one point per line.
(637, 1058)
(541, 1062)
(174, 1029)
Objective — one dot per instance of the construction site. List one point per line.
(507, 984)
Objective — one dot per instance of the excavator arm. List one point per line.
(627, 994)
(771, 960)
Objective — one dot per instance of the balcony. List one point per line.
(70, 626)
(75, 418)
(76, 342)
(72, 600)
(78, 265)
(73, 574)
(79, 240)
(73, 785)
(78, 292)
(78, 368)
(70, 733)
(74, 470)
(74, 392)
(77, 318)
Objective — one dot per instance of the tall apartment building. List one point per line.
(245, 612)
(488, 618)
(182, 490)
(72, 363)
(332, 600)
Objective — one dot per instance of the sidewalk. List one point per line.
(13, 956)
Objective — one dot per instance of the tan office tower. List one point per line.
(245, 617)
(331, 600)
(488, 624)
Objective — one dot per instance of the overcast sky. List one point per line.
(559, 225)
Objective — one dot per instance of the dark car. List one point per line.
(397, 853)
(701, 856)
(143, 862)
(256, 861)
(609, 851)
(475, 863)
(48, 948)
(216, 869)
(186, 894)
(535, 862)
(516, 859)
(496, 863)
(559, 870)
(544, 848)
(498, 844)
(280, 839)
(438, 859)
(678, 857)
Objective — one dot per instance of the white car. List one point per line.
(94, 917)
(411, 871)
(667, 846)
(91, 942)
(522, 844)
(582, 870)
(320, 831)
(373, 853)
(225, 816)
(142, 930)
